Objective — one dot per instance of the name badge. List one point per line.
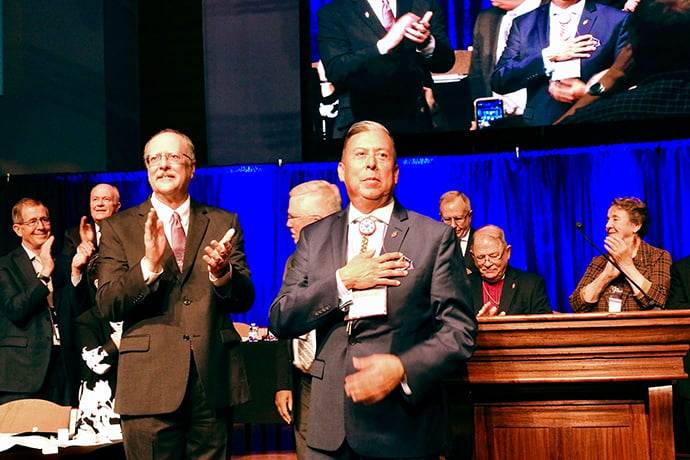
(369, 302)
(615, 304)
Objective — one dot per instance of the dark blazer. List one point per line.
(484, 42)
(177, 313)
(347, 34)
(521, 64)
(430, 326)
(523, 293)
(25, 327)
(679, 298)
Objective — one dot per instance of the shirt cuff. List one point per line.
(76, 279)
(223, 279)
(344, 294)
(429, 49)
(149, 276)
(405, 387)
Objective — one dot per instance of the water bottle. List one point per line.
(253, 333)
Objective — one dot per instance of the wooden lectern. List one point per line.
(577, 386)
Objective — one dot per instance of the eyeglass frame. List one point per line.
(452, 220)
(33, 223)
(308, 216)
(489, 257)
(150, 161)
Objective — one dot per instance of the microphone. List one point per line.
(581, 228)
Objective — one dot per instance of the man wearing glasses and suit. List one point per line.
(173, 270)
(36, 355)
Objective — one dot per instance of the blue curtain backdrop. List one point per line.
(537, 197)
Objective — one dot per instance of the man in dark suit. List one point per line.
(380, 52)
(37, 359)
(309, 202)
(386, 290)
(456, 210)
(173, 270)
(497, 288)
(104, 201)
(553, 50)
(679, 298)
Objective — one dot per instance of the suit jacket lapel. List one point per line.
(542, 25)
(366, 14)
(397, 229)
(587, 19)
(339, 234)
(26, 268)
(198, 227)
(508, 292)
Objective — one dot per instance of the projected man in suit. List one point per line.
(36, 352)
(498, 288)
(553, 50)
(173, 270)
(384, 48)
(386, 290)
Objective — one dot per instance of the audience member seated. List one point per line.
(553, 50)
(603, 287)
(455, 210)
(657, 64)
(37, 353)
(352, 36)
(497, 288)
(489, 38)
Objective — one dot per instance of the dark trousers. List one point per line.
(301, 397)
(345, 452)
(195, 430)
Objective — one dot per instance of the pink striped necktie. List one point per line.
(178, 240)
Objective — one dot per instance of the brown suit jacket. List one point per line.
(177, 316)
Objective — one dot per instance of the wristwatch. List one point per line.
(597, 89)
(45, 279)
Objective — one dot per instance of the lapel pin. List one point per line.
(366, 14)
(585, 22)
(394, 234)
(513, 286)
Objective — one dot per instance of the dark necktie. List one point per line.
(178, 239)
(387, 17)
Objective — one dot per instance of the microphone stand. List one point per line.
(652, 302)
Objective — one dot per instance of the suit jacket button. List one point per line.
(187, 302)
(186, 337)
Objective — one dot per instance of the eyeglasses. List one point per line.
(174, 158)
(452, 220)
(33, 223)
(308, 216)
(493, 258)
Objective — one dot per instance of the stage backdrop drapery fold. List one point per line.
(536, 196)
